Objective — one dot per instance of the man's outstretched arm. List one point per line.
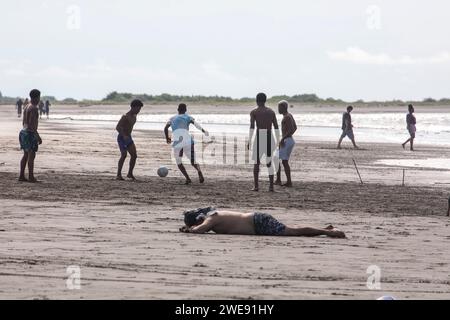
(166, 132)
(199, 127)
(205, 227)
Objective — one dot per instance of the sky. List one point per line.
(347, 49)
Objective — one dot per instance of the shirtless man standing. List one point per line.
(125, 141)
(29, 137)
(239, 223)
(264, 144)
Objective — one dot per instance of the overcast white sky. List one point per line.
(347, 49)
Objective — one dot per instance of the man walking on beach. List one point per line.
(411, 127)
(288, 128)
(29, 137)
(264, 144)
(41, 108)
(125, 141)
(183, 142)
(347, 128)
(19, 105)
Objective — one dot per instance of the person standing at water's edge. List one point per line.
(264, 144)
(347, 128)
(47, 108)
(125, 141)
(183, 142)
(411, 126)
(29, 137)
(19, 105)
(288, 128)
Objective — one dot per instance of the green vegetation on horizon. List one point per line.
(125, 98)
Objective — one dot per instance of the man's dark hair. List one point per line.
(182, 108)
(196, 217)
(261, 98)
(35, 94)
(136, 103)
(349, 108)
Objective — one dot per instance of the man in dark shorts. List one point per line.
(183, 143)
(47, 108)
(347, 128)
(41, 108)
(29, 137)
(125, 141)
(264, 144)
(411, 123)
(239, 223)
(288, 128)
(19, 105)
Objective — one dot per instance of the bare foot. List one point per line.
(201, 177)
(271, 189)
(32, 180)
(188, 182)
(120, 178)
(255, 190)
(130, 176)
(23, 179)
(287, 185)
(277, 183)
(335, 233)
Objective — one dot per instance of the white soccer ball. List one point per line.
(163, 172)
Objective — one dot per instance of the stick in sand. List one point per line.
(356, 167)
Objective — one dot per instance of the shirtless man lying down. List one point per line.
(240, 223)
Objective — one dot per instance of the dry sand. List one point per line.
(125, 238)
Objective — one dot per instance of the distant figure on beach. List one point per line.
(347, 128)
(239, 223)
(29, 137)
(448, 211)
(19, 105)
(125, 141)
(411, 127)
(288, 128)
(41, 108)
(47, 108)
(264, 144)
(182, 142)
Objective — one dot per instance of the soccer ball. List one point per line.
(163, 172)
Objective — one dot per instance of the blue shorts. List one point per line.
(286, 149)
(348, 133)
(124, 144)
(28, 141)
(266, 225)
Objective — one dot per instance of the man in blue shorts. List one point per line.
(125, 141)
(239, 223)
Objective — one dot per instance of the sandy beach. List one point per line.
(124, 235)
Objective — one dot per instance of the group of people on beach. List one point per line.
(263, 125)
(44, 107)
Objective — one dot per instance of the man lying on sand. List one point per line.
(239, 223)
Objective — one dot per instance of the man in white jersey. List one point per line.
(182, 142)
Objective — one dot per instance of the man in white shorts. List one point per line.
(183, 142)
(288, 128)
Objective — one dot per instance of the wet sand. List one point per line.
(124, 235)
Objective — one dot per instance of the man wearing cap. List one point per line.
(125, 141)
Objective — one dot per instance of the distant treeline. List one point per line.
(124, 98)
